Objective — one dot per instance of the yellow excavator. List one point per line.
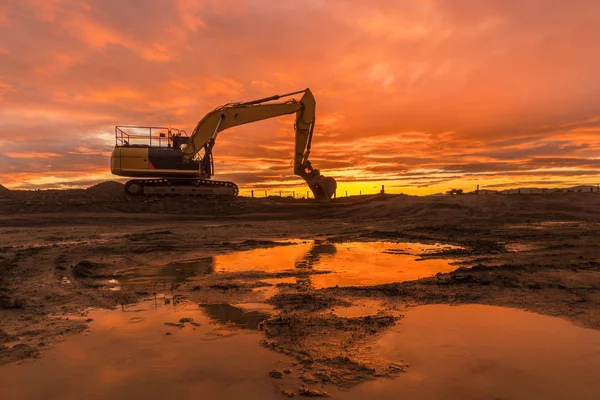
(174, 163)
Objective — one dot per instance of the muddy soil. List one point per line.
(62, 249)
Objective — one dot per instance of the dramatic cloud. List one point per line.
(420, 95)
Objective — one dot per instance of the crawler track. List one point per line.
(182, 187)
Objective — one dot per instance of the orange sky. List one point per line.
(421, 95)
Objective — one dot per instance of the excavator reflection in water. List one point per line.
(312, 257)
(170, 276)
(250, 319)
(174, 163)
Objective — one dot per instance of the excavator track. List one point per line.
(182, 187)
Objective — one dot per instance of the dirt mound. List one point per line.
(4, 190)
(106, 188)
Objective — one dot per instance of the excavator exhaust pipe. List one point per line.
(323, 187)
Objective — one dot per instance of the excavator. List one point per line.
(174, 163)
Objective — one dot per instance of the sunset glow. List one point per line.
(418, 95)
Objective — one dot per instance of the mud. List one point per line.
(331, 349)
(99, 249)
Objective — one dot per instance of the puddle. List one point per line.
(484, 352)
(365, 264)
(348, 264)
(273, 259)
(351, 264)
(129, 355)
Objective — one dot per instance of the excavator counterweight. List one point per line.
(181, 164)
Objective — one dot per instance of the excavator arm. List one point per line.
(204, 135)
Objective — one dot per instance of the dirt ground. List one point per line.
(59, 248)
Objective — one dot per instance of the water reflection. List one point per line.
(349, 264)
(485, 352)
(131, 354)
(375, 263)
(312, 258)
(166, 277)
(183, 270)
(454, 352)
(231, 315)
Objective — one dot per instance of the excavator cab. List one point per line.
(149, 151)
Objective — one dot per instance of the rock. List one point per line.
(184, 320)
(276, 374)
(287, 371)
(309, 378)
(306, 392)
(288, 392)
(173, 324)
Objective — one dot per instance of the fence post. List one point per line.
(293, 193)
(346, 193)
(252, 192)
(266, 194)
(307, 194)
(280, 193)
(382, 189)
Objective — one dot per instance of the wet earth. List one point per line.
(420, 299)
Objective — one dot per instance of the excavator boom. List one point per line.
(204, 135)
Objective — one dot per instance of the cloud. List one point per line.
(422, 93)
(32, 154)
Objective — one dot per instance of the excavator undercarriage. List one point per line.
(178, 186)
(171, 162)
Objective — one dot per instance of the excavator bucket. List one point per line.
(323, 187)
